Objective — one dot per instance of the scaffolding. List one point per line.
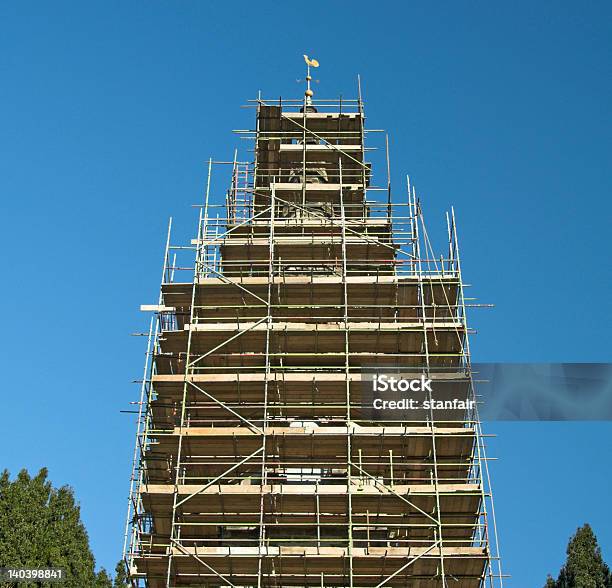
(255, 462)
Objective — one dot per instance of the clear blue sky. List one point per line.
(108, 111)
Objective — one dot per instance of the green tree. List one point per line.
(103, 580)
(40, 526)
(584, 567)
(121, 576)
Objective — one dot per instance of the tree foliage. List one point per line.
(584, 567)
(40, 526)
(121, 577)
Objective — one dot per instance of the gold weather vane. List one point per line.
(309, 63)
